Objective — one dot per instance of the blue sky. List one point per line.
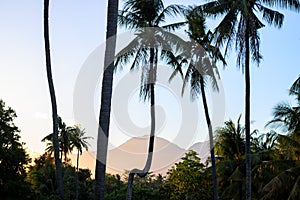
(78, 27)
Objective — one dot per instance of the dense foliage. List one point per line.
(13, 157)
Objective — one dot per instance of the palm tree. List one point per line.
(53, 100)
(230, 148)
(79, 142)
(145, 18)
(65, 139)
(241, 24)
(200, 68)
(230, 143)
(106, 93)
(287, 117)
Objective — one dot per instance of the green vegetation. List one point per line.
(13, 157)
(275, 165)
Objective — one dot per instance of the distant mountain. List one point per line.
(133, 154)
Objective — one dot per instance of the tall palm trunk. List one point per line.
(77, 168)
(53, 101)
(211, 139)
(144, 172)
(247, 113)
(104, 118)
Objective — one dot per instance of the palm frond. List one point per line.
(281, 182)
(295, 88)
(272, 17)
(215, 8)
(173, 27)
(127, 53)
(285, 4)
(225, 31)
(171, 11)
(295, 193)
(288, 141)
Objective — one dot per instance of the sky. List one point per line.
(77, 29)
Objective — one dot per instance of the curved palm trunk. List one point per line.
(53, 101)
(77, 168)
(144, 172)
(211, 139)
(104, 118)
(247, 114)
(129, 186)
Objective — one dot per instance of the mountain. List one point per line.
(133, 154)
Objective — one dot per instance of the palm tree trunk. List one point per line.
(53, 101)
(104, 118)
(211, 139)
(77, 165)
(129, 186)
(144, 172)
(247, 114)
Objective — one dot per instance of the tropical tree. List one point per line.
(69, 138)
(66, 138)
(188, 179)
(286, 182)
(53, 100)
(106, 93)
(145, 18)
(79, 142)
(230, 141)
(240, 25)
(13, 157)
(200, 56)
(41, 176)
(287, 116)
(230, 150)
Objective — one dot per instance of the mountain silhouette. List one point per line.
(133, 154)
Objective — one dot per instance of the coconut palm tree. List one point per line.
(145, 18)
(201, 57)
(65, 139)
(79, 142)
(230, 143)
(240, 25)
(106, 93)
(230, 148)
(53, 100)
(200, 68)
(287, 118)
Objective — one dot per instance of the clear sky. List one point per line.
(77, 28)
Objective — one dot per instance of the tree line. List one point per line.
(275, 164)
